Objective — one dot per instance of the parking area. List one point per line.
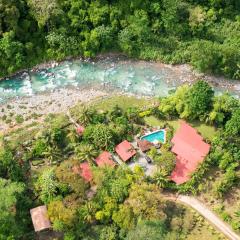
(149, 168)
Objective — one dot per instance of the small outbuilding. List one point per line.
(40, 218)
(125, 150)
(84, 170)
(105, 159)
(80, 130)
(144, 145)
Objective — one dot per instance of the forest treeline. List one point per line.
(204, 33)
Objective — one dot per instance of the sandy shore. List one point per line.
(31, 108)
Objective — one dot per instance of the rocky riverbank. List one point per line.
(28, 109)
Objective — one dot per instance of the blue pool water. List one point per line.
(158, 135)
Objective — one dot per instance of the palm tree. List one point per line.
(237, 213)
(85, 115)
(73, 136)
(89, 210)
(161, 178)
(86, 152)
(52, 154)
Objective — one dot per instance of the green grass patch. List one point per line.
(155, 122)
(208, 132)
(123, 102)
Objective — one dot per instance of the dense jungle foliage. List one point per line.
(205, 33)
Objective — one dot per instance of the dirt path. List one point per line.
(208, 214)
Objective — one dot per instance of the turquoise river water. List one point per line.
(138, 77)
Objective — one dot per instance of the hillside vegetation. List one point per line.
(205, 33)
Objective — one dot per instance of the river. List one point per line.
(111, 72)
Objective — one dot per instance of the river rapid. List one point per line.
(111, 72)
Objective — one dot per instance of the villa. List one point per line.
(40, 218)
(190, 149)
(105, 159)
(125, 150)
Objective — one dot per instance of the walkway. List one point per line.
(207, 214)
(71, 119)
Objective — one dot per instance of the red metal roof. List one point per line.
(80, 130)
(144, 145)
(84, 170)
(190, 150)
(40, 218)
(125, 150)
(105, 158)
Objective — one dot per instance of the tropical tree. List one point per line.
(233, 125)
(161, 178)
(9, 196)
(100, 135)
(85, 115)
(61, 215)
(53, 154)
(67, 177)
(87, 212)
(47, 185)
(223, 107)
(199, 99)
(115, 113)
(9, 167)
(44, 10)
(148, 230)
(86, 152)
(165, 161)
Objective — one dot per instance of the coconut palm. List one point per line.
(86, 152)
(237, 213)
(161, 178)
(85, 115)
(52, 154)
(89, 212)
(73, 136)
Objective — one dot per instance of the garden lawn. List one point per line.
(155, 122)
(123, 102)
(205, 231)
(207, 131)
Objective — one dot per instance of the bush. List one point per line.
(19, 119)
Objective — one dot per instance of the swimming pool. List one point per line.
(159, 135)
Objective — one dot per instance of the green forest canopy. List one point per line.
(205, 33)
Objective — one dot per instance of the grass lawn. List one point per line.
(123, 102)
(207, 131)
(154, 122)
(205, 231)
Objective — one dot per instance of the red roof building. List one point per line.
(190, 149)
(125, 150)
(40, 218)
(84, 170)
(144, 145)
(80, 130)
(105, 159)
